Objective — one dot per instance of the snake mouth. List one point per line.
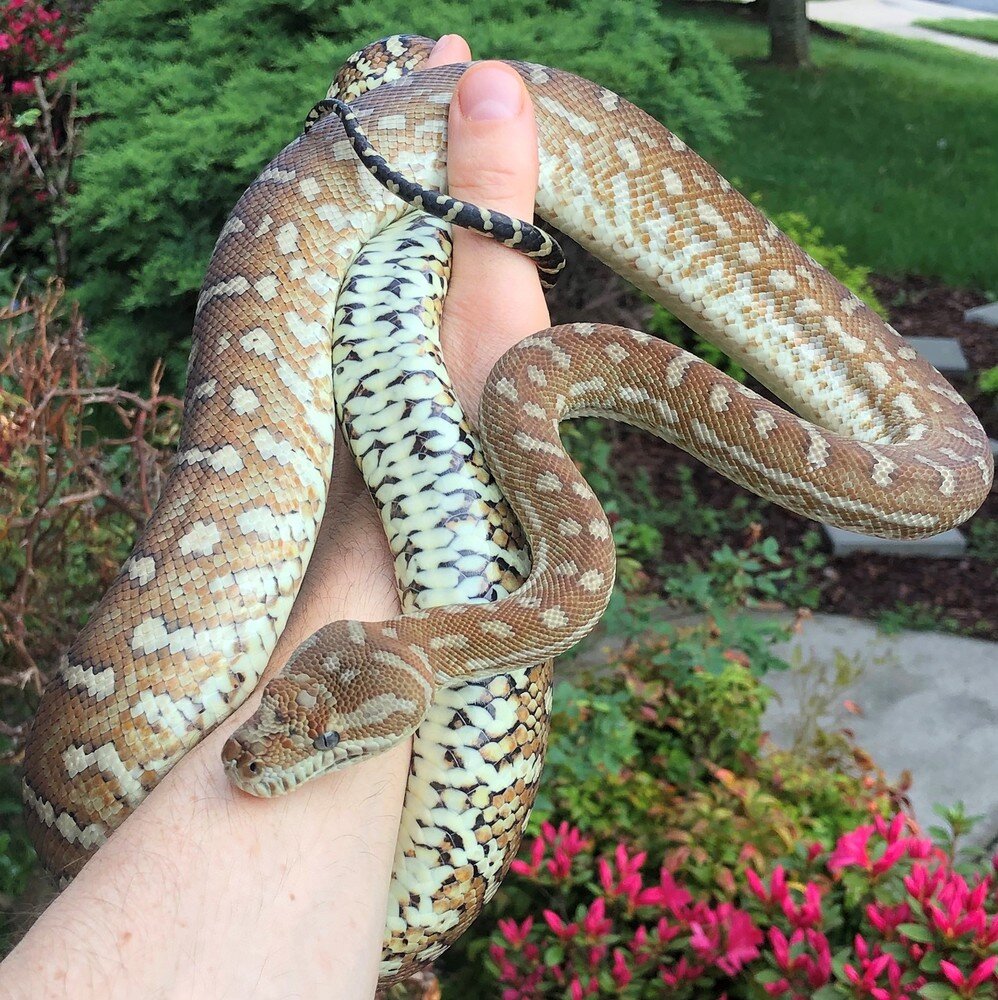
(248, 770)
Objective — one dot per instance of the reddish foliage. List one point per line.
(70, 497)
(611, 930)
(37, 135)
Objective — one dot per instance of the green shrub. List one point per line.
(667, 762)
(189, 103)
(987, 382)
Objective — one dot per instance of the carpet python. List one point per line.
(883, 445)
(477, 757)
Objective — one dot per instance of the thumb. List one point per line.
(495, 297)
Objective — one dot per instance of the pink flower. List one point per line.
(681, 972)
(622, 975)
(967, 985)
(627, 880)
(777, 886)
(560, 928)
(726, 937)
(887, 918)
(22, 87)
(668, 894)
(531, 868)
(515, 933)
(892, 832)
(508, 972)
(921, 883)
(851, 849)
(808, 914)
(566, 843)
(808, 971)
(596, 922)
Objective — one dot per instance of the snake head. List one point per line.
(343, 696)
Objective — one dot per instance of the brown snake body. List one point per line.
(886, 446)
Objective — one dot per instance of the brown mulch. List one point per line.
(965, 591)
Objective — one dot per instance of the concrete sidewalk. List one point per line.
(895, 17)
(928, 704)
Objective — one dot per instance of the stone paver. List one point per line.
(929, 705)
(895, 17)
(987, 314)
(944, 353)
(948, 545)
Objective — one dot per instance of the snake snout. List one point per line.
(240, 761)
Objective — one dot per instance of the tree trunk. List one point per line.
(789, 44)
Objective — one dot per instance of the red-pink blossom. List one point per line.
(516, 933)
(887, 918)
(967, 984)
(626, 881)
(622, 975)
(596, 923)
(560, 928)
(681, 972)
(725, 936)
(777, 891)
(851, 851)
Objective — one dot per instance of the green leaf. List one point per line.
(27, 118)
(938, 991)
(916, 932)
(828, 992)
(554, 955)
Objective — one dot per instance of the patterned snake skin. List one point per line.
(885, 446)
(477, 758)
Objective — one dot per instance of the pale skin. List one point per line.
(208, 892)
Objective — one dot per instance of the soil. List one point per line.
(961, 594)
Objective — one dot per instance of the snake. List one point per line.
(879, 443)
(478, 755)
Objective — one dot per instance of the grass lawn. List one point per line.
(984, 28)
(890, 145)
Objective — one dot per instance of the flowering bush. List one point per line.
(884, 914)
(36, 131)
(665, 751)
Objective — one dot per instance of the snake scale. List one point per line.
(477, 757)
(883, 445)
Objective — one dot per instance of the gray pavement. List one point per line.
(895, 17)
(928, 704)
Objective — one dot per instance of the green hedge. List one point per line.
(189, 103)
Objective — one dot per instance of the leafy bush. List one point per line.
(189, 104)
(70, 499)
(987, 382)
(37, 139)
(884, 914)
(982, 540)
(672, 735)
(673, 847)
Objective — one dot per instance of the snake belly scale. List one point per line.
(477, 756)
(883, 445)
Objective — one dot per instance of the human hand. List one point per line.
(209, 892)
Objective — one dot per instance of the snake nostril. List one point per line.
(232, 751)
(241, 759)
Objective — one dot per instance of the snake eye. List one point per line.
(326, 741)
